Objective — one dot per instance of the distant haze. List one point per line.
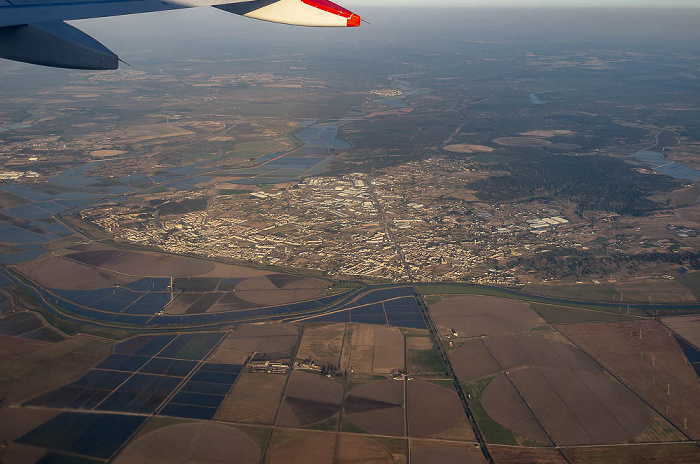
(210, 31)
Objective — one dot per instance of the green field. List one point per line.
(554, 314)
(587, 292)
(424, 361)
(257, 149)
(692, 281)
(492, 430)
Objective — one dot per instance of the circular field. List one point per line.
(565, 147)
(157, 265)
(473, 315)
(309, 398)
(192, 443)
(377, 407)
(527, 142)
(467, 148)
(59, 272)
(432, 409)
(324, 448)
(473, 361)
(276, 289)
(576, 408)
(263, 338)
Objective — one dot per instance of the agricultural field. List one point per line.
(645, 356)
(687, 327)
(530, 385)
(292, 447)
(31, 367)
(473, 316)
(428, 452)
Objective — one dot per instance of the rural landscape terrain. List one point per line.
(394, 249)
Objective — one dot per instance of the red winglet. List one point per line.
(326, 5)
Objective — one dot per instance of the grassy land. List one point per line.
(329, 424)
(465, 289)
(347, 426)
(226, 192)
(257, 149)
(659, 430)
(492, 430)
(259, 433)
(692, 281)
(425, 362)
(554, 314)
(436, 292)
(447, 383)
(587, 292)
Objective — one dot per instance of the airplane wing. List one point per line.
(34, 31)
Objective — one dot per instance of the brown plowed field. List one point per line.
(157, 265)
(432, 409)
(14, 453)
(389, 351)
(263, 338)
(361, 348)
(652, 365)
(513, 455)
(444, 453)
(570, 395)
(582, 408)
(182, 303)
(88, 270)
(254, 399)
(15, 422)
(330, 448)
(503, 404)
(473, 361)
(538, 350)
(263, 291)
(377, 407)
(192, 443)
(322, 343)
(473, 316)
(687, 327)
(31, 367)
(57, 272)
(675, 453)
(309, 398)
(376, 349)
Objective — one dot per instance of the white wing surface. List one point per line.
(33, 31)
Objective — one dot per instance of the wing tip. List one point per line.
(354, 21)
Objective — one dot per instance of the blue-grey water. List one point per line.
(662, 165)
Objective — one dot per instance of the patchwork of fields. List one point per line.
(364, 381)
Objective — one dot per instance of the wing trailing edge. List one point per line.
(55, 44)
